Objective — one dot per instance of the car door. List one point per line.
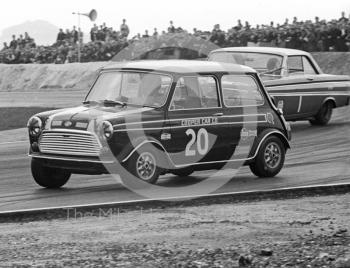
(287, 90)
(242, 100)
(313, 92)
(295, 92)
(193, 120)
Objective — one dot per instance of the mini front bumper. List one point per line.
(78, 165)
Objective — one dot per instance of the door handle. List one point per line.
(218, 114)
(310, 78)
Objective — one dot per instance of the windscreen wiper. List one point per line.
(89, 102)
(271, 71)
(150, 106)
(114, 102)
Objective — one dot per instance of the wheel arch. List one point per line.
(265, 135)
(331, 100)
(131, 149)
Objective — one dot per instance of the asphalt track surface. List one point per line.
(319, 155)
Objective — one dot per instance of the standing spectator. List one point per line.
(68, 36)
(217, 36)
(322, 36)
(124, 29)
(13, 43)
(75, 35)
(60, 37)
(80, 36)
(104, 30)
(5, 46)
(340, 35)
(104, 27)
(28, 39)
(21, 42)
(343, 18)
(101, 36)
(171, 28)
(93, 33)
(295, 20)
(155, 33)
(30, 43)
(347, 38)
(146, 35)
(137, 37)
(239, 25)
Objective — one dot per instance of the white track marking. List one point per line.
(177, 198)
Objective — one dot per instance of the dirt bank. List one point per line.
(306, 232)
(45, 77)
(75, 76)
(334, 62)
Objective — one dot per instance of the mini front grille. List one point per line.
(69, 143)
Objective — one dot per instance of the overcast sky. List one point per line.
(147, 14)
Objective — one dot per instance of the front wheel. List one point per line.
(48, 177)
(145, 164)
(324, 115)
(270, 158)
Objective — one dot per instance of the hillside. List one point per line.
(43, 32)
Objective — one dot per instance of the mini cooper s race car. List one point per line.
(156, 117)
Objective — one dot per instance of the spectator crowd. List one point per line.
(105, 42)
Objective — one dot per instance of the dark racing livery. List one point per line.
(158, 117)
(294, 80)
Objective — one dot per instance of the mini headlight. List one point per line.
(107, 129)
(34, 125)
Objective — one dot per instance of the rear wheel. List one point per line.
(270, 158)
(324, 115)
(145, 164)
(49, 177)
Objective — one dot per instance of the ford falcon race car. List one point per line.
(294, 80)
(150, 118)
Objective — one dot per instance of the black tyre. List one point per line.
(270, 158)
(49, 177)
(145, 164)
(323, 115)
(183, 172)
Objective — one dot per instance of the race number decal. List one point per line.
(200, 141)
(189, 151)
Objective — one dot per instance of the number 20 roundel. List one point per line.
(199, 142)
